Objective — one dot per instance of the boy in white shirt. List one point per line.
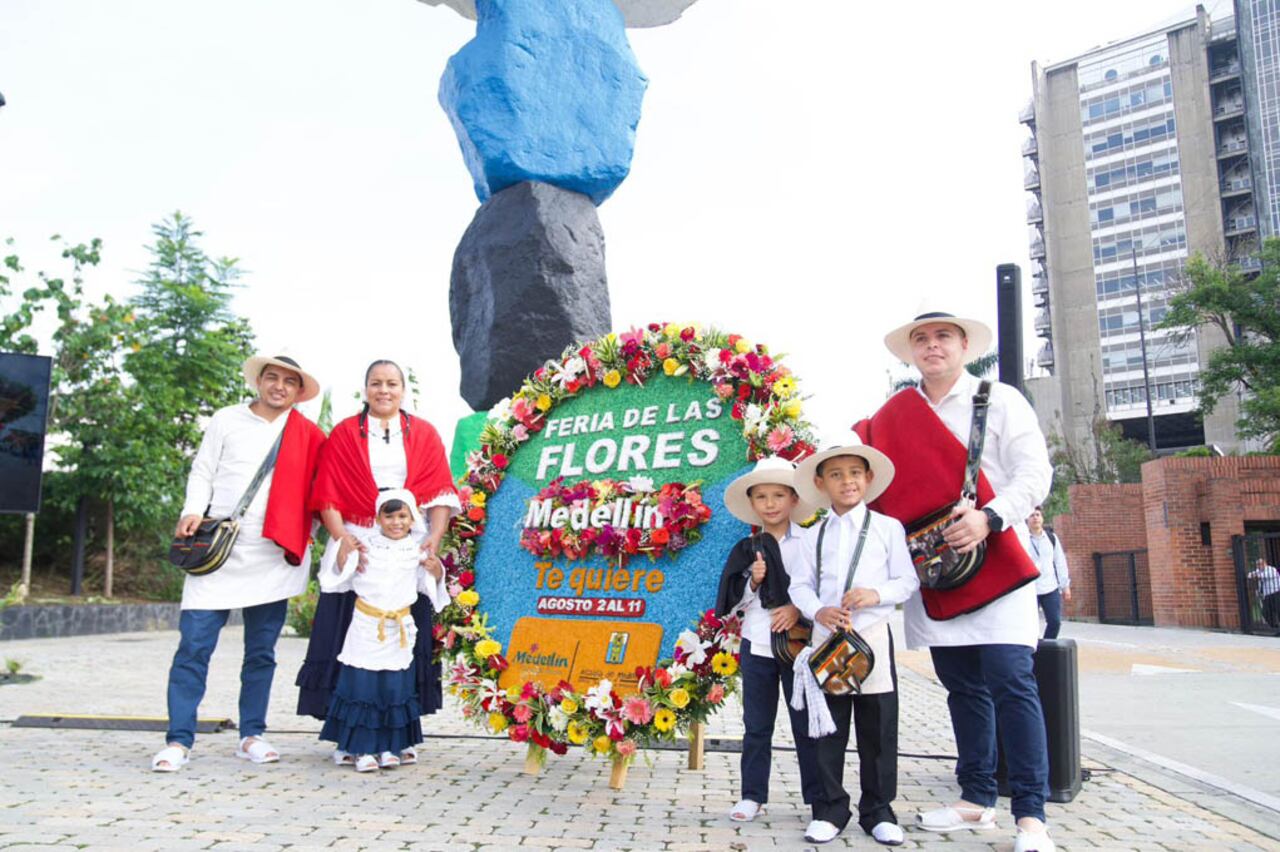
(1053, 586)
(873, 547)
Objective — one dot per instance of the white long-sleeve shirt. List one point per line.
(1015, 458)
(391, 581)
(885, 566)
(756, 623)
(1050, 558)
(234, 444)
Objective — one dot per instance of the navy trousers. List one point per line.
(761, 677)
(1052, 606)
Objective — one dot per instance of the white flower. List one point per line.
(731, 644)
(558, 718)
(640, 484)
(678, 670)
(694, 648)
(568, 371)
(598, 696)
(711, 360)
(501, 410)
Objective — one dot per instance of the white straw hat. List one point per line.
(977, 332)
(878, 462)
(770, 470)
(254, 366)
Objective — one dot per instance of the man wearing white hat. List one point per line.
(855, 569)
(981, 634)
(269, 561)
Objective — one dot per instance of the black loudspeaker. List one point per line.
(1056, 676)
(1009, 327)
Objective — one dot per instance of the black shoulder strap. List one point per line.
(263, 469)
(857, 551)
(977, 437)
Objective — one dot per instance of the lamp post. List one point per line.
(1142, 341)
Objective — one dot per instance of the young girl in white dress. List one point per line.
(374, 712)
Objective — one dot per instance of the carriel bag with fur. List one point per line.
(937, 563)
(207, 549)
(843, 662)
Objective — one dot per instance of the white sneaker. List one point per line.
(745, 811)
(821, 831)
(1033, 841)
(888, 834)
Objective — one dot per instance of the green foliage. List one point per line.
(1195, 453)
(12, 666)
(132, 385)
(980, 367)
(302, 610)
(1106, 457)
(1245, 309)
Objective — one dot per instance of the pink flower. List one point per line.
(780, 438)
(626, 748)
(521, 409)
(637, 710)
(522, 713)
(520, 432)
(715, 694)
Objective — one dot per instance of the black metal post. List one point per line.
(1142, 340)
(77, 559)
(1133, 587)
(1098, 578)
(1009, 326)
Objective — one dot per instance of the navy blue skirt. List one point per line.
(372, 712)
(319, 673)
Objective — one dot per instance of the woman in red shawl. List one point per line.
(381, 447)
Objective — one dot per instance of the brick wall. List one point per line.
(1103, 519)
(1191, 584)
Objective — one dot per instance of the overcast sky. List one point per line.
(805, 171)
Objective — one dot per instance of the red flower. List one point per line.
(737, 411)
(558, 747)
(500, 461)
(687, 334)
(662, 677)
(467, 579)
(655, 327)
(733, 339)
(744, 392)
(520, 733)
(540, 739)
(659, 536)
(498, 663)
(476, 514)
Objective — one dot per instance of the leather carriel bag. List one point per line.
(788, 643)
(937, 564)
(843, 662)
(208, 548)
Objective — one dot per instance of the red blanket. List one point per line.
(345, 480)
(929, 465)
(288, 520)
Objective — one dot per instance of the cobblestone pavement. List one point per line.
(92, 789)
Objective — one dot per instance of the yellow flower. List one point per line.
(543, 403)
(612, 379)
(679, 697)
(568, 707)
(671, 330)
(784, 387)
(670, 366)
(497, 722)
(792, 409)
(611, 337)
(488, 647)
(743, 346)
(577, 733)
(470, 597)
(478, 499)
(513, 694)
(602, 744)
(664, 719)
(724, 664)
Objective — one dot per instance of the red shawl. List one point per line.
(288, 520)
(929, 463)
(345, 479)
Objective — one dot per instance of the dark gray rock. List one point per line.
(528, 279)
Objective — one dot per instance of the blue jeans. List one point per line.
(761, 677)
(199, 629)
(985, 682)
(1052, 606)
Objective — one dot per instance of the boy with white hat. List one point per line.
(980, 634)
(855, 570)
(755, 583)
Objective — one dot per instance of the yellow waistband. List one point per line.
(383, 616)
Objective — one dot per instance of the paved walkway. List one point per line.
(92, 790)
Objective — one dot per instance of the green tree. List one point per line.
(1105, 457)
(1245, 309)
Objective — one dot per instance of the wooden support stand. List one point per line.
(697, 746)
(618, 778)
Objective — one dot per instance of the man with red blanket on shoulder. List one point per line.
(269, 562)
(981, 633)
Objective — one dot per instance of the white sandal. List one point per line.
(343, 758)
(366, 763)
(388, 760)
(745, 811)
(409, 756)
(171, 758)
(952, 819)
(258, 751)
